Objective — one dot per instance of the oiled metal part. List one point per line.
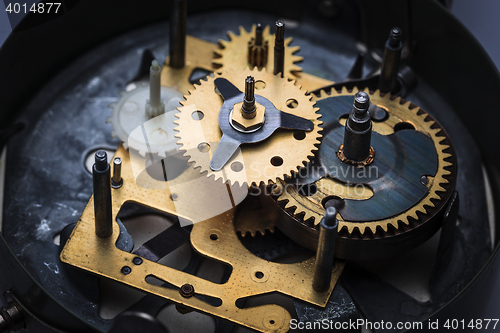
(390, 64)
(248, 107)
(325, 254)
(117, 181)
(358, 129)
(101, 174)
(178, 34)
(11, 319)
(279, 47)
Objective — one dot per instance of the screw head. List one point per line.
(126, 270)
(187, 290)
(137, 261)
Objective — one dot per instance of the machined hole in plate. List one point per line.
(292, 103)
(404, 125)
(276, 161)
(299, 135)
(197, 115)
(204, 147)
(237, 166)
(259, 84)
(214, 237)
(259, 275)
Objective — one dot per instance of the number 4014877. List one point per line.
(39, 8)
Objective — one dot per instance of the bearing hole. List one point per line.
(307, 190)
(271, 322)
(299, 135)
(333, 201)
(276, 161)
(237, 166)
(214, 237)
(204, 147)
(292, 103)
(404, 125)
(259, 84)
(259, 275)
(197, 115)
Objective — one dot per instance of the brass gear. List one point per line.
(232, 55)
(260, 162)
(309, 209)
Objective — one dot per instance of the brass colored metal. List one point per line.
(248, 124)
(366, 162)
(233, 54)
(257, 49)
(252, 218)
(251, 276)
(398, 111)
(198, 55)
(258, 160)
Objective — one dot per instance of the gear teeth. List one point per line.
(114, 134)
(424, 124)
(142, 153)
(125, 145)
(222, 43)
(231, 35)
(111, 106)
(162, 154)
(109, 120)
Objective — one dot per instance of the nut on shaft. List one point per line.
(390, 63)
(325, 253)
(248, 108)
(358, 129)
(279, 48)
(101, 175)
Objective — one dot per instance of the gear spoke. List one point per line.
(226, 148)
(226, 89)
(289, 121)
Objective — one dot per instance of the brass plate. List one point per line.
(100, 256)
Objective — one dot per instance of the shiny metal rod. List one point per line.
(390, 63)
(325, 254)
(178, 34)
(279, 48)
(101, 175)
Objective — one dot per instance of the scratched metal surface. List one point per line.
(400, 156)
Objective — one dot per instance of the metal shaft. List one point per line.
(358, 129)
(101, 174)
(390, 63)
(325, 254)
(155, 84)
(117, 181)
(178, 33)
(248, 108)
(258, 34)
(279, 48)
